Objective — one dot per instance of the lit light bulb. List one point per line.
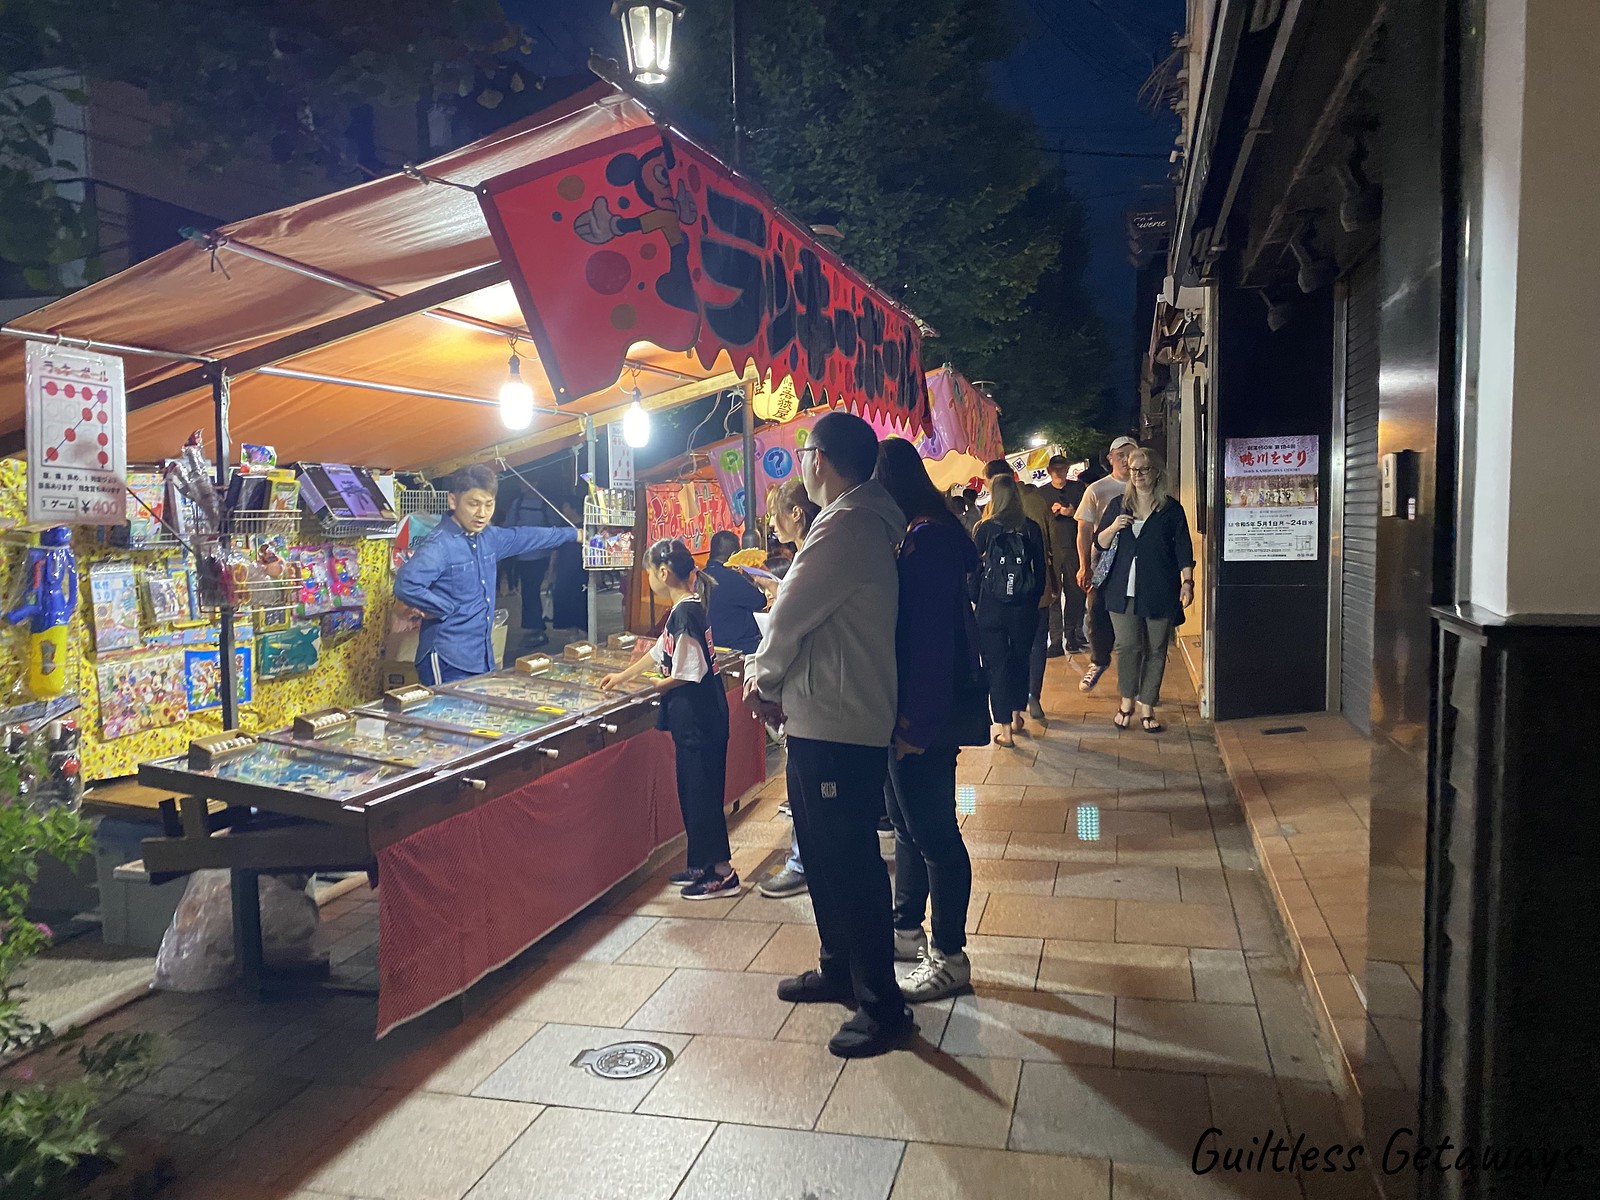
(1036, 440)
(636, 423)
(516, 398)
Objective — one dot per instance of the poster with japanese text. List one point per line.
(77, 448)
(619, 458)
(1271, 495)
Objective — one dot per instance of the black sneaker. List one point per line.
(685, 878)
(713, 887)
(1055, 652)
(813, 987)
(863, 1036)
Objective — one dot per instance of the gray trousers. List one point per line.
(1141, 655)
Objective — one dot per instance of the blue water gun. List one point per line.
(52, 596)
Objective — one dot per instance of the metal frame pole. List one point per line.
(221, 401)
(748, 447)
(737, 43)
(244, 886)
(591, 584)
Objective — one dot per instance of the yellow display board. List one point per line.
(345, 674)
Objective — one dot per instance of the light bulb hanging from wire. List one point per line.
(636, 423)
(516, 397)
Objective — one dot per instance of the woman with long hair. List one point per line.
(1150, 583)
(792, 512)
(940, 710)
(1008, 586)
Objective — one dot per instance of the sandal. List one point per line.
(1003, 737)
(1123, 718)
(1151, 724)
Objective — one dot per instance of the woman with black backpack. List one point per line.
(1007, 589)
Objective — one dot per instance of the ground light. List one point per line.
(636, 424)
(516, 398)
(647, 27)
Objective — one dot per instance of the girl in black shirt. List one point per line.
(694, 709)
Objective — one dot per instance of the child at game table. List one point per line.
(694, 709)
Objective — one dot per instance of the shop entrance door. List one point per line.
(1357, 576)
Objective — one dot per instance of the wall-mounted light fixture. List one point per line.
(1315, 271)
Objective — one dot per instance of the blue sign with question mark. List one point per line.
(777, 462)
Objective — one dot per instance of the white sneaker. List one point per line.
(910, 944)
(937, 976)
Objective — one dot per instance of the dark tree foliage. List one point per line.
(274, 80)
(879, 117)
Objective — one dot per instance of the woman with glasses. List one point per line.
(1149, 584)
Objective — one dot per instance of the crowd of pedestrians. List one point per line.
(907, 625)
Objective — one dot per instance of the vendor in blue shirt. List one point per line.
(451, 578)
(732, 600)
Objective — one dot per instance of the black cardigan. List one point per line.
(1162, 551)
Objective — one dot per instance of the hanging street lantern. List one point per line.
(647, 27)
(1193, 337)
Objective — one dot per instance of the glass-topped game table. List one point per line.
(491, 809)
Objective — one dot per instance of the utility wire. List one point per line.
(1087, 153)
(1107, 72)
(1139, 41)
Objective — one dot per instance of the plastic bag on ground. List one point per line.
(197, 953)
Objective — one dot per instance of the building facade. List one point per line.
(1373, 332)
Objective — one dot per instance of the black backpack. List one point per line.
(1008, 573)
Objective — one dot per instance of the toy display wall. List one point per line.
(345, 673)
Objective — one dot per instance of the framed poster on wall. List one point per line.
(1271, 495)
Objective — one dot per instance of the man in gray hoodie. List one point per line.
(826, 668)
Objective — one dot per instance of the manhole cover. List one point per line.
(625, 1060)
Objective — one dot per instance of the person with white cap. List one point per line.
(1096, 497)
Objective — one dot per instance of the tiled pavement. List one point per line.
(1304, 783)
(1132, 990)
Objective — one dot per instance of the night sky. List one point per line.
(1078, 68)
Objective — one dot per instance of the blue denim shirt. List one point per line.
(452, 579)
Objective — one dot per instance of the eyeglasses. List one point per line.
(811, 449)
(1141, 470)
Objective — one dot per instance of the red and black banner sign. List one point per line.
(645, 237)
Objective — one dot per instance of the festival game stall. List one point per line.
(627, 268)
(694, 496)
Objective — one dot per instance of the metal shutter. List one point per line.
(1360, 556)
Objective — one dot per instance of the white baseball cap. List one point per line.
(1124, 441)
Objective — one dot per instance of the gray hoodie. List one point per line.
(828, 655)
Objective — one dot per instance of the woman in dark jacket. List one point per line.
(1150, 583)
(940, 710)
(1008, 587)
(732, 600)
